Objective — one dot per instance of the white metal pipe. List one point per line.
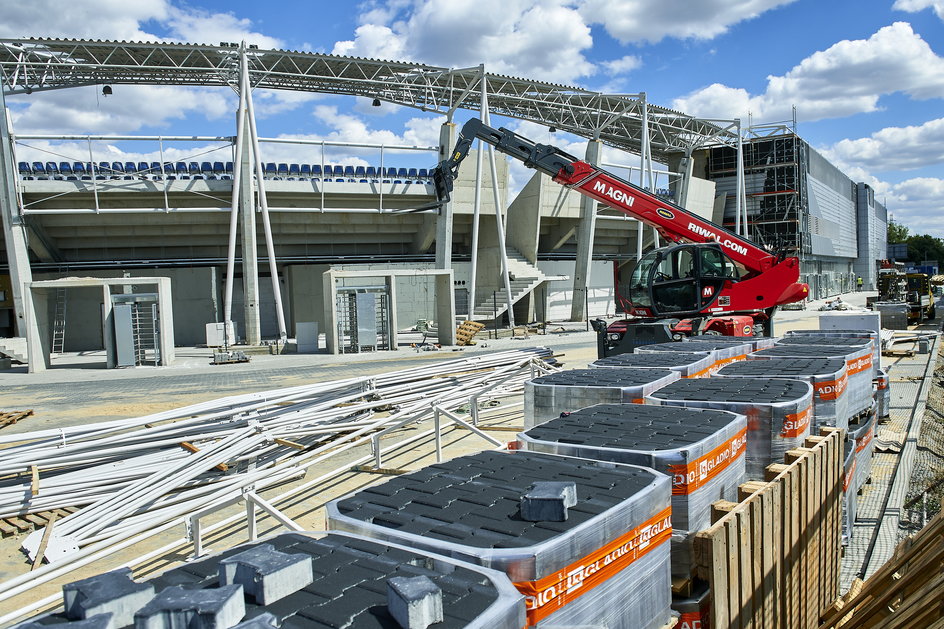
(234, 210)
(266, 223)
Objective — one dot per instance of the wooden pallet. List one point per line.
(11, 417)
(14, 525)
(466, 331)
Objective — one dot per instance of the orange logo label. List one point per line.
(795, 425)
(689, 477)
(831, 389)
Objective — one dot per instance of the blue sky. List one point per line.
(866, 76)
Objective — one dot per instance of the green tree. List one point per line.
(897, 233)
(925, 247)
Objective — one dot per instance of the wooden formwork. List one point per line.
(772, 559)
(906, 592)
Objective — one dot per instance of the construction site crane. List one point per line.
(708, 271)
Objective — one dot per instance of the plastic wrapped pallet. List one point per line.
(849, 492)
(863, 433)
(858, 368)
(721, 351)
(872, 335)
(346, 584)
(688, 364)
(778, 412)
(826, 375)
(546, 397)
(702, 450)
(756, 342)
(605, 565)
(695, 610)
(883, 394)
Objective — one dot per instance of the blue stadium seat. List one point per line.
(181, 168)
(401, 173)
(270, 170)
(52, 169)
(371, 172)
(117, 167)
(131, 167)
(65, 169)
(24, 168)
(316, 171)
(348, 172)
(423, 173)
(38, 169)
(305, 171)
(294, 170)
(206, 168)
(391, 171)
(219, 168)
(144, 169)
(413, 174)
(229, 168)
(360, 172)
(282, 170)
(79, 168)
(193, 168)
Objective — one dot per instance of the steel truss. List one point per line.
(30, 65)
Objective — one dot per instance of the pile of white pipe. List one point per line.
(138, 474)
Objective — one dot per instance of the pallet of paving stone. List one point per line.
(14, 525)
(9, 418)
(466, 332)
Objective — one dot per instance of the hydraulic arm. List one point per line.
(690, 279)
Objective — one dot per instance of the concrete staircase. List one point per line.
(14, 348)
(526, 276)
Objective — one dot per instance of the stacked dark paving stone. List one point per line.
(871, 335)
(688, 364)
(826, 375)
(862, 433)
(469, 509)
(350, 590)
(679, 442)
(858, 365)
(756, 342)
(548, 396)
(722, 351)
(778, 411)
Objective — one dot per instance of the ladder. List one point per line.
(59, 323)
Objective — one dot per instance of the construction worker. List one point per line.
(859, 284)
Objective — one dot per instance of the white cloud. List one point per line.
(913, 6)
(645, 21)
(203, 27)
(544, 40)
(90, 19)
(916, 203)
(845, 79)
(894, 148)
(130, 108)
(622, 65)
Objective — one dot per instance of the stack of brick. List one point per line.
(858, 357)
(778, 412)
(702, 450)
(299, 580)
(598, 554)
(829, 335)
(688, 364)
(721, 351)
(546, 397)
(826, 375)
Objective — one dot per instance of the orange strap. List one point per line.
(794, 425)
(549, 594)
(831, 389)
(863, 442)
(687, 478)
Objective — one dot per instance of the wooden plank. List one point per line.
(34, 480)
(22, 525)
(745, 569)
(814, 528)
(756, 544)
(6, 529)
(721, 508)
(35, 520)
(731, 571)
(793, 581)
(47, 533)
(717, 580)
(769, 541)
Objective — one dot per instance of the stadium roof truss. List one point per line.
(30, 65)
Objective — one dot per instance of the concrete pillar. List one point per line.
(585, 230)
(330, 313)
(250, 251)
(447, 140)
(14, 226)
(446, 308)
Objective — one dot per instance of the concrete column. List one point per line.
(447, 140)
(250, 251)
(330, 313)
(585, 230)
(165, 313)
(14, 226)
(445, 308)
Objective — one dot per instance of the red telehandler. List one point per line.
(709, 280)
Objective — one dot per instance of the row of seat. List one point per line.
(216, 170)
